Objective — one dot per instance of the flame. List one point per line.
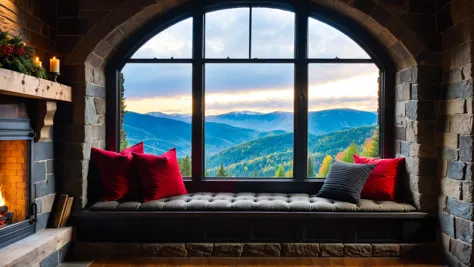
(2, 200)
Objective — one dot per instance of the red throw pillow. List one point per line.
(382, 182)
(161, 176)
(133, 176)
(117, 174)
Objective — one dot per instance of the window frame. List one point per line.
(303, 10)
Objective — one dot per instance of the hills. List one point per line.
(261, 146)
(265, 154)
(161, 134)
(319, 122)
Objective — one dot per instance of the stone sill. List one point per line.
(21, 85)
(35, 248)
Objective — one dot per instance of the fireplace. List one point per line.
(17, 209)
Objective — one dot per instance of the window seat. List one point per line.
(249, 202)
(253, 217)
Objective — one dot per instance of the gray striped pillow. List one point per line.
(345, 181)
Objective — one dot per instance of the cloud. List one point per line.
(356, 92)
(168, 87)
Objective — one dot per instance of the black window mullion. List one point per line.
(250, 32)
(197, 138)
(301, 97)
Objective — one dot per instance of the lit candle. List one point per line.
(38, 62)
(54, 65)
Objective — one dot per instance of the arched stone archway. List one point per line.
(433, 121)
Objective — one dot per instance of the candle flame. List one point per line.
(2, 200)
(37, 59)
(54, 57)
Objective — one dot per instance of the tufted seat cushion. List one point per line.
(253, 202)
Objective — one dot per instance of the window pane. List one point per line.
(342, 119)
(158, 103)
(273, 33)
(249, 120)
(325, 41)
(175, 41)
(227, 33)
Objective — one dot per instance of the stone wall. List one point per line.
(427, 40)
(84, 250)
(34, 21)
(455, 132)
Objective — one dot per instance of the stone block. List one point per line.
(453, 106)
(50, 261)
(447, 140)
(300, 250)
(463, 54)
(461, 124)
(150, 250)
(400, 109)
(462, 251)
(421, 166)
(43, 151)
(460, 89)
(467, 192)
(403, 92)
(469, 105)
(50, 166)
(47, 203)
(451, 188)
(331, 250)
(448, 153)
(98, 133)
(456, 170)
(460, 208)
(446, 224)
(465, 148)
(469, 167)
(442, 203)
(464, 230)
(227, 250)
(100, 105)
(39, 171)
(90, 111)
(95, 90)
(45, 188)
(64, 252)
(261, 250)
(173, 250)
(446, 242)
(423, 184)
(199, 249)
(404, 149)
(42, 221)
(385, 250)
(358, 250)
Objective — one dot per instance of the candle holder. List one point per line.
(55, 76)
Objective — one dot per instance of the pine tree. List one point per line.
(374, 151)
(123, 109)
(222, 172)
(255, 173)
(289, 173)
(325, 166)
(280, 171)
(311, 172)
(185, 166)
(347, 155)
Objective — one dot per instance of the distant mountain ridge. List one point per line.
(319, 122)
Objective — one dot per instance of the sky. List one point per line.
(253, 87)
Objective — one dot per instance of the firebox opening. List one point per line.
(13, 181)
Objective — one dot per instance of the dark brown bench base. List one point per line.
(195, 226)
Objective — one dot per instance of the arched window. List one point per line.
(254, 93)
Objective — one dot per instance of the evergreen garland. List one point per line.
(16, 56)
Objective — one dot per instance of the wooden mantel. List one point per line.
(46, 92)
(22, 85)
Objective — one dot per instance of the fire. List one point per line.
(2, 200)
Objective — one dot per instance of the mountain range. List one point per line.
(251, 142)
(319, 122)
